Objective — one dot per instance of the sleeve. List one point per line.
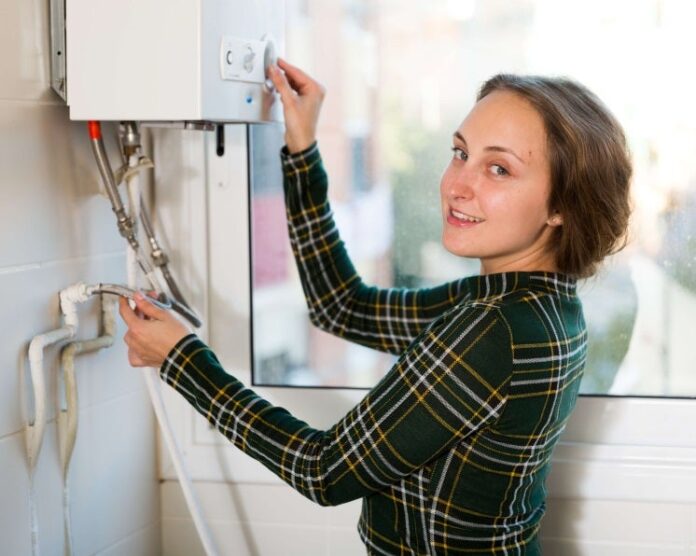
(452, 382)
(387, 319)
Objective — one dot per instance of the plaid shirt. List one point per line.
(450, 450)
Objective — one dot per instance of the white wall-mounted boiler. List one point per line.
(171, 60)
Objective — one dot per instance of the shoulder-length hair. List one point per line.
(590, 168)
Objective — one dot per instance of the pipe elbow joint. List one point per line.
(36, 347)
(69, 298)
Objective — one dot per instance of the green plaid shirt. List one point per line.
(450, 450)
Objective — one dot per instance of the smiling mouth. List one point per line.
(463, 217)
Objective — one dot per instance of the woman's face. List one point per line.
(496, 188)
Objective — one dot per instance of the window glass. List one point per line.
(400, 76)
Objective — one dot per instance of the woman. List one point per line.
(449, 452)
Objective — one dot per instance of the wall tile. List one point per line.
(114, 476)
(289, 540)
(257, 505)
(346, 515)
(246, 502)
(345, 542)
(146, 542)
(51, 205)
(608, 521)
(49, 492)
(179, 538)
(14, 487)
(577, 547)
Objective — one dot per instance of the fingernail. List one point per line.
(139, 296)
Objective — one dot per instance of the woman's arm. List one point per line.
(452, 382)
(385, 319)
(339, 302)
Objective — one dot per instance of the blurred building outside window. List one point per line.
(400, 76)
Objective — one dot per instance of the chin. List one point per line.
(457, 249)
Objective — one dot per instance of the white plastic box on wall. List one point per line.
(172, 60)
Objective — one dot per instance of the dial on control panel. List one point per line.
(239, 59)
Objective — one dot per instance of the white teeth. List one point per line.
(462, 216)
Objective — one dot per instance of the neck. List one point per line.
(536, 260)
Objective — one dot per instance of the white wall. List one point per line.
(55, 229)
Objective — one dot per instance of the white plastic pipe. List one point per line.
(154, 385)
(34, 429)
(68, 418)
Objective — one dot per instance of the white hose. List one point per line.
(154, 385)
(34, 431)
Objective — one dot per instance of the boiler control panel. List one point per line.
(245, 60)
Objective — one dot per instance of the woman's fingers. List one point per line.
(150, 340)
(134, 358)
(298, 79)
(148, 309)
(280, 82)
(127, 314)
(300, 82)
(302, 98)
(143, 307)
(135, 361)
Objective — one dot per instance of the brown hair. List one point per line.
(590, 168)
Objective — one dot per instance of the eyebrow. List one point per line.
(494, 148)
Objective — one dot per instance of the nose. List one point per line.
(459, 182)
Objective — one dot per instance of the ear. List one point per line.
(555, 220)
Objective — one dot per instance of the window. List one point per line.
(400, 76)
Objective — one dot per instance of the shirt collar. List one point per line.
(488, 286)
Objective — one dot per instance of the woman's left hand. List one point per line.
(152, 336)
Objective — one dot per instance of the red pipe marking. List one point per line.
(94, 129)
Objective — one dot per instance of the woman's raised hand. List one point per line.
(302, 97)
